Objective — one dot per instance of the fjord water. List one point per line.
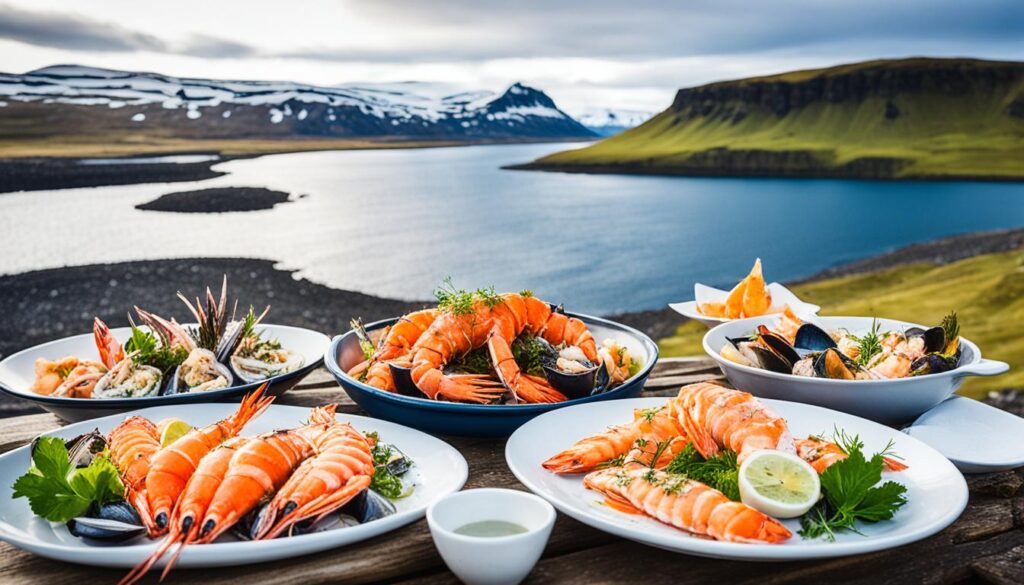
(395, 223)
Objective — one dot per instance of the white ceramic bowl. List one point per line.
(888, 401)
(781, 297)
(17, 373)
(499, 560)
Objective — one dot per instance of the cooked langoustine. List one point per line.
(821, 454)
(341, 469)
(653, 426)
(716, 417)
(172, 466)
(685, 504)
(494, 322)
(395, 344)
(132, 446)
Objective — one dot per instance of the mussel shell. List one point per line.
(810, 337)
(767, 359)
(84, 448)
(399, 463)
(403, 381)
(603, 381)
(832, 364)
(779, 345)
(112, 522)
(934, 338)
(573, 384)
(931, 364)
(249, 376)
(368, 506)
(177, 385)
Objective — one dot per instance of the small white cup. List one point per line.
(499, 560)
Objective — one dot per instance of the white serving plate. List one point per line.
(438, 470)
(781, 296)
(890, 401)
(17, 373)
(976, 437)
(936, 491)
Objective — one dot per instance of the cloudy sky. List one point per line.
(629, 54)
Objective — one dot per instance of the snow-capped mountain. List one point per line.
(606, 121)
(69, 96)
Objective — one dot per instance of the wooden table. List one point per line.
(985, 545)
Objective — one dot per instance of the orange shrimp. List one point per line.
(258, 469)
(396, 343)
(132, 446)
(494, 322)
(109, 347)
(192, 505)
(685, 504)
(173, 465)
(81, 380)
(341, 469)
(716, 417)
(650, 425)
(821, 454)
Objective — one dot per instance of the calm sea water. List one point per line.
(394, 223)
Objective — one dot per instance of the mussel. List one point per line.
(128, 379)
(366, 506)
(84, 448)
(934, 338)
(200, 372)
(932, 363)
(810, 337)
(571, 373)
(111, 522)
(831, 363)
(398, 463)
(255, 369)
(778, 344)
(403, 380)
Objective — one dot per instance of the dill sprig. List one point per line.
(950, 326)
(459, 301)
(870, 344)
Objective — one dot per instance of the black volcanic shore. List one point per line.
(217, 200)
(42, 173)
(48, 304)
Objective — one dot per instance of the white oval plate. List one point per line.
(976, 437)
(438, 470)
(781, 296)
(936, 491)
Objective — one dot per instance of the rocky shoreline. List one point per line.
(49, 304)
(43, 173)
(217, 200)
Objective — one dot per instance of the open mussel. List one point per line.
(932, 363)
(111, 522)
(753, 352)
(366, 506)
(402, 376)
(831, 363)
(84, 448)
(810, 337)
(128, 379)
(200, 372)
(778, 344)
(571, 373)
(934, 338)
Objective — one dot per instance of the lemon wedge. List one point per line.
(779, 484)
(172, 429)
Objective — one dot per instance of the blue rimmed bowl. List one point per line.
(17, 372)
(477, 420)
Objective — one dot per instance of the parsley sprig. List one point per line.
(59, 493)
(384, 481)
(852, 493)
(719, 471)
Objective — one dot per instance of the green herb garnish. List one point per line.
(147, 350)
(529, 352)
(459, 301)
(385, 482)
(719, 471)
(868, 345)
(950, 326)
(852, 492)
(59, 493)
(477, 361)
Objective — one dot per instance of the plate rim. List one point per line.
(81, 554)
(153, 401)
(740, 551)
(970, 465)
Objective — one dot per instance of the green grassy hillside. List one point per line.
(912, 118)
(987, 292)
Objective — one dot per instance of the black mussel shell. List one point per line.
(398, 463)
(934, 338)
(403, 381)
(573, 384)
(931, 364)
(831, 363)
(603, 380)
(560, 309)
(778, 345)
(810, 337)
(771, 361)
(112, 522)
(84, 448)
(368, 506)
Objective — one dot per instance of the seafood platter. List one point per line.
(156, 360)
(751, 297)
(482, 363)
(225, 484)
(882, 369)
(721, 473)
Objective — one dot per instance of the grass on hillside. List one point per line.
(987, 292)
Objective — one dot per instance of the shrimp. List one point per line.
(132, 446)
(821, 454)
(341, 469)
(109, 347)
(716, 417)
(494, 322)
(81, 380)
(173, 465)
(258, 469)
(685, 504)
(649, 425)
(192, 505)
(395, 344)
